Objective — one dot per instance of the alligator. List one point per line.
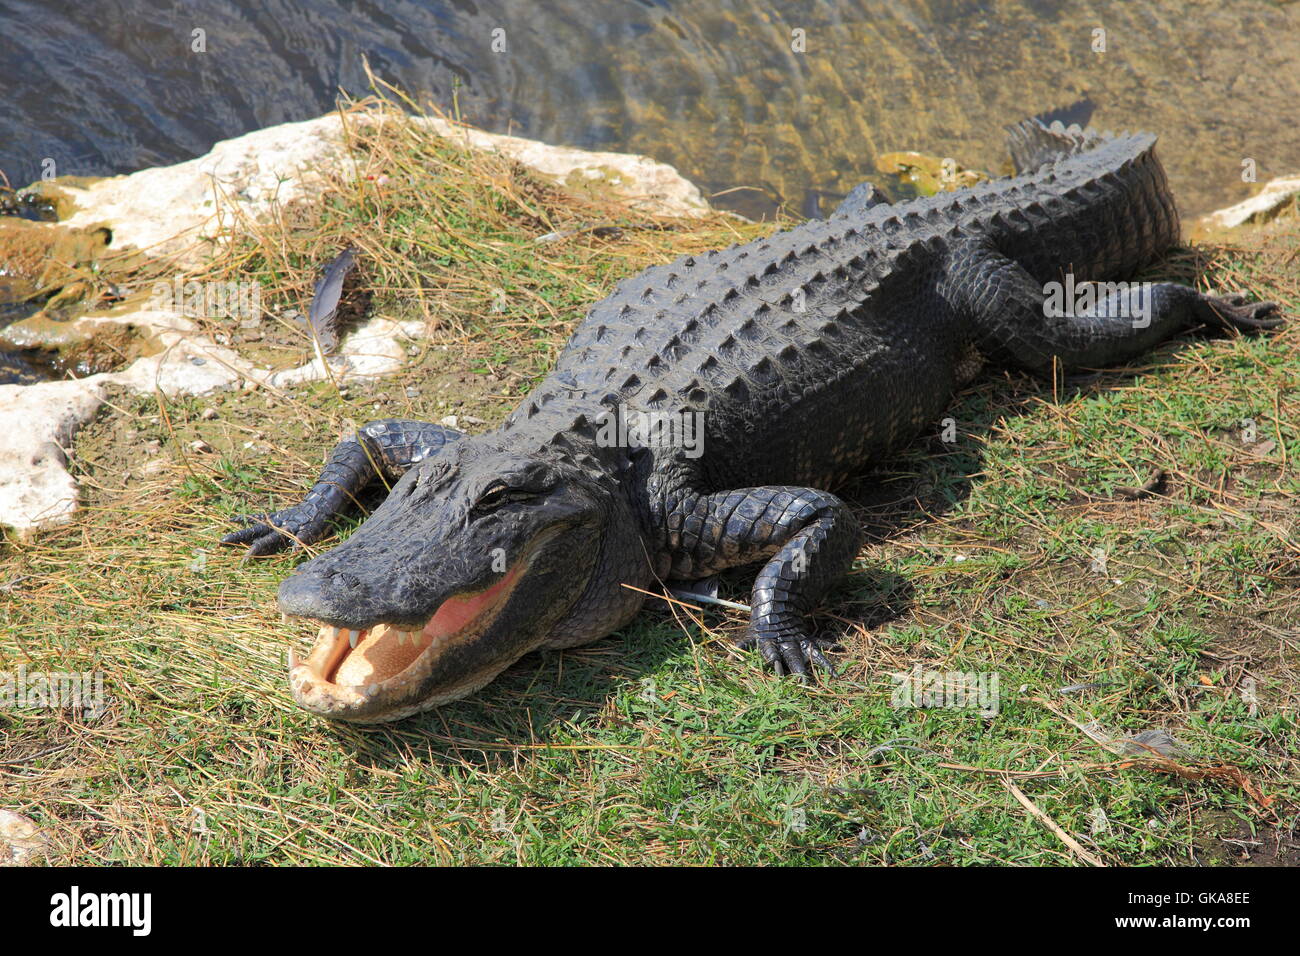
(702, 416)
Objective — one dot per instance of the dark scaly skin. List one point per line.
(382, 449)
(809, 354)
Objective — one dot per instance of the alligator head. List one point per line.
(477, 557)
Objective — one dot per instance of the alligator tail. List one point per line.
(1047, 137)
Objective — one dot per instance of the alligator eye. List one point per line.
(497, 495)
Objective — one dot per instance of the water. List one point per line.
(715, 87)
(712, 87)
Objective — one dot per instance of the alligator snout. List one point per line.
(330, 595)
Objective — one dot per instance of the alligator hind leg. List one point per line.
(381, 449)
(809, 539)
(1016, 319)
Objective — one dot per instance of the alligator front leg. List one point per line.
(810, 539)
(381, 449)
(1016, 319)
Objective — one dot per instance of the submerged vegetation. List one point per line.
(1118, 550)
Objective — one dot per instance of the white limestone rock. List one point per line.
(22, 842)
(1275, 194)
(168, 210)
(641, 182)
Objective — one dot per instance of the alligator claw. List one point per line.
(1234, 311)
(814, 653)
(252, 528)
(797, 658)
(266, 534)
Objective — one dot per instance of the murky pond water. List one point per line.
(785, 98)
(760, 103)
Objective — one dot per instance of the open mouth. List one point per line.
(369, 674)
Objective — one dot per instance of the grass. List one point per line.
(1008, 552)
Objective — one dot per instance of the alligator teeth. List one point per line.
(352, 639)
(372, 690)
(293, 658)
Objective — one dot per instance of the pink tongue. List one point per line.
(456, 612)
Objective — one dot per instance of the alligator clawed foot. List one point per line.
(797, 658)
(1235, 311)
(265, 534)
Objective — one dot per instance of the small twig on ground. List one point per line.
(1052, 825)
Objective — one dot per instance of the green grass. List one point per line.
(664, 744)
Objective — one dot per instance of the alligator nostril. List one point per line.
(344, 579)
(299, 595)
